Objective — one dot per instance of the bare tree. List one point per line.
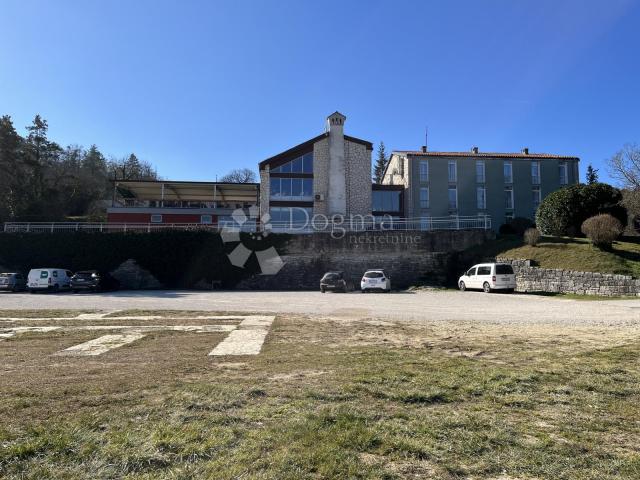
(240, 175)
(625, 166)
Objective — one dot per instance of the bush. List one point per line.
(532, 236)
(563, 211)
(602, 230)
(506, 229)
(520, 225)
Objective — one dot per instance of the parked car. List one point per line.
(336, 281)
(92, 280)
(375, 280)
(50, 279)
(14, 282)
(488, 277)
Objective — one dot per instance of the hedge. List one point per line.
(178, 259)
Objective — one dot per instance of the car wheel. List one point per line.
(462, 286)
(363, 290)
(486, 287)
(74, 291)
(56, 288)
(322, 290)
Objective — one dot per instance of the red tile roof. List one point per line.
(419, 153)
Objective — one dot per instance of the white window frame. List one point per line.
(156, 218)
(424, 202)
(480, 178)
(510, 190)
(455, 188)
(424, 171)
(481, 205)
(563, 168)
(535, 173)
(455, 171)
(206, 219)
(508, 179)
(534, 190)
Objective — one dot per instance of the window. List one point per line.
(503, 269)
(479, 171)
(425, 223)
(424, 171)
(481, 197)
(535, 194)
(471, 272)
(44, 274)
(453, 198)
(564, 174)
(55, 273)
(453, 171)
(535, 173)
(302, 164)
(206, 219)
(156, 218)
(508, 217)
(485, 270)
(508, 198)
(385, 200)
(290, 217)
(508, 172)
(424, 197)
(291, 188)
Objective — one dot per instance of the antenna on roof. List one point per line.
(426, 137)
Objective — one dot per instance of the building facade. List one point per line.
(327, 175)
(501, 186)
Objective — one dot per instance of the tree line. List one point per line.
(42, 181)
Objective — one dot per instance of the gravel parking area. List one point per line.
(446, 305)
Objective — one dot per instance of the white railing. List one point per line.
(355, 225)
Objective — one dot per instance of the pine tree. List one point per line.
(592, 175)
(380, 165)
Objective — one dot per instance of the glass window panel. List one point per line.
(453, 198)
(480, 171)
(453, 174)
(424, 197)
(275, 187)
(307, 163)
(276, 170)
(508, 174)
(376, 201)
(286, 168)
(508, 198)
(481, 198)
(307, 187)
(535, 172)
(296, 187)
(395, 201)
(424, 171)
(296, 165)
(285, 187)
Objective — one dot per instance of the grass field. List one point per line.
(327, 398)
(570, 254)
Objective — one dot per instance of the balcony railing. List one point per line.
(356, 225)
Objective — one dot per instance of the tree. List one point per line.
(625, 166)
(563, 211)
(592, 175)
(380, 165)
(10, 169)
(131, 168)
(240, 175)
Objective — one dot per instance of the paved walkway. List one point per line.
(430, 305)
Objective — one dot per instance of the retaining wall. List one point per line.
(534, 279)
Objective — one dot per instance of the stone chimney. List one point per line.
(475, 150)
(337, 194)
(424, 149)
(525, 151)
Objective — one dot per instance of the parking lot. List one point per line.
(437, 305)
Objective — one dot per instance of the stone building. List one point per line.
(329, 174)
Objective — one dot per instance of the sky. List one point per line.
(201, 87)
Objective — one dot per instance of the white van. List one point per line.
(54, 279)
(488, 277)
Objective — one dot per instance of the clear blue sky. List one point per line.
(201, 87)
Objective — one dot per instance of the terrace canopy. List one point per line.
(170, 191)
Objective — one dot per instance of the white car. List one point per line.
(52, 279)
(375, 280)
(488, 277)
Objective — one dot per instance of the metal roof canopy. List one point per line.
(189, 191)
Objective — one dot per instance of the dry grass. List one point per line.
(328, 398)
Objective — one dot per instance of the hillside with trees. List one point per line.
(42, 181)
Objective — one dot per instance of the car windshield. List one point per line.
(5, 275)
(373, 275)
(504, 270)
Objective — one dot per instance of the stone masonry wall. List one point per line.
(534, 279)
(408, 257)
(358, 166)
(321, 175)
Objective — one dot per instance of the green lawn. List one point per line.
(570, 254)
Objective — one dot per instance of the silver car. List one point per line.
(13, 282)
